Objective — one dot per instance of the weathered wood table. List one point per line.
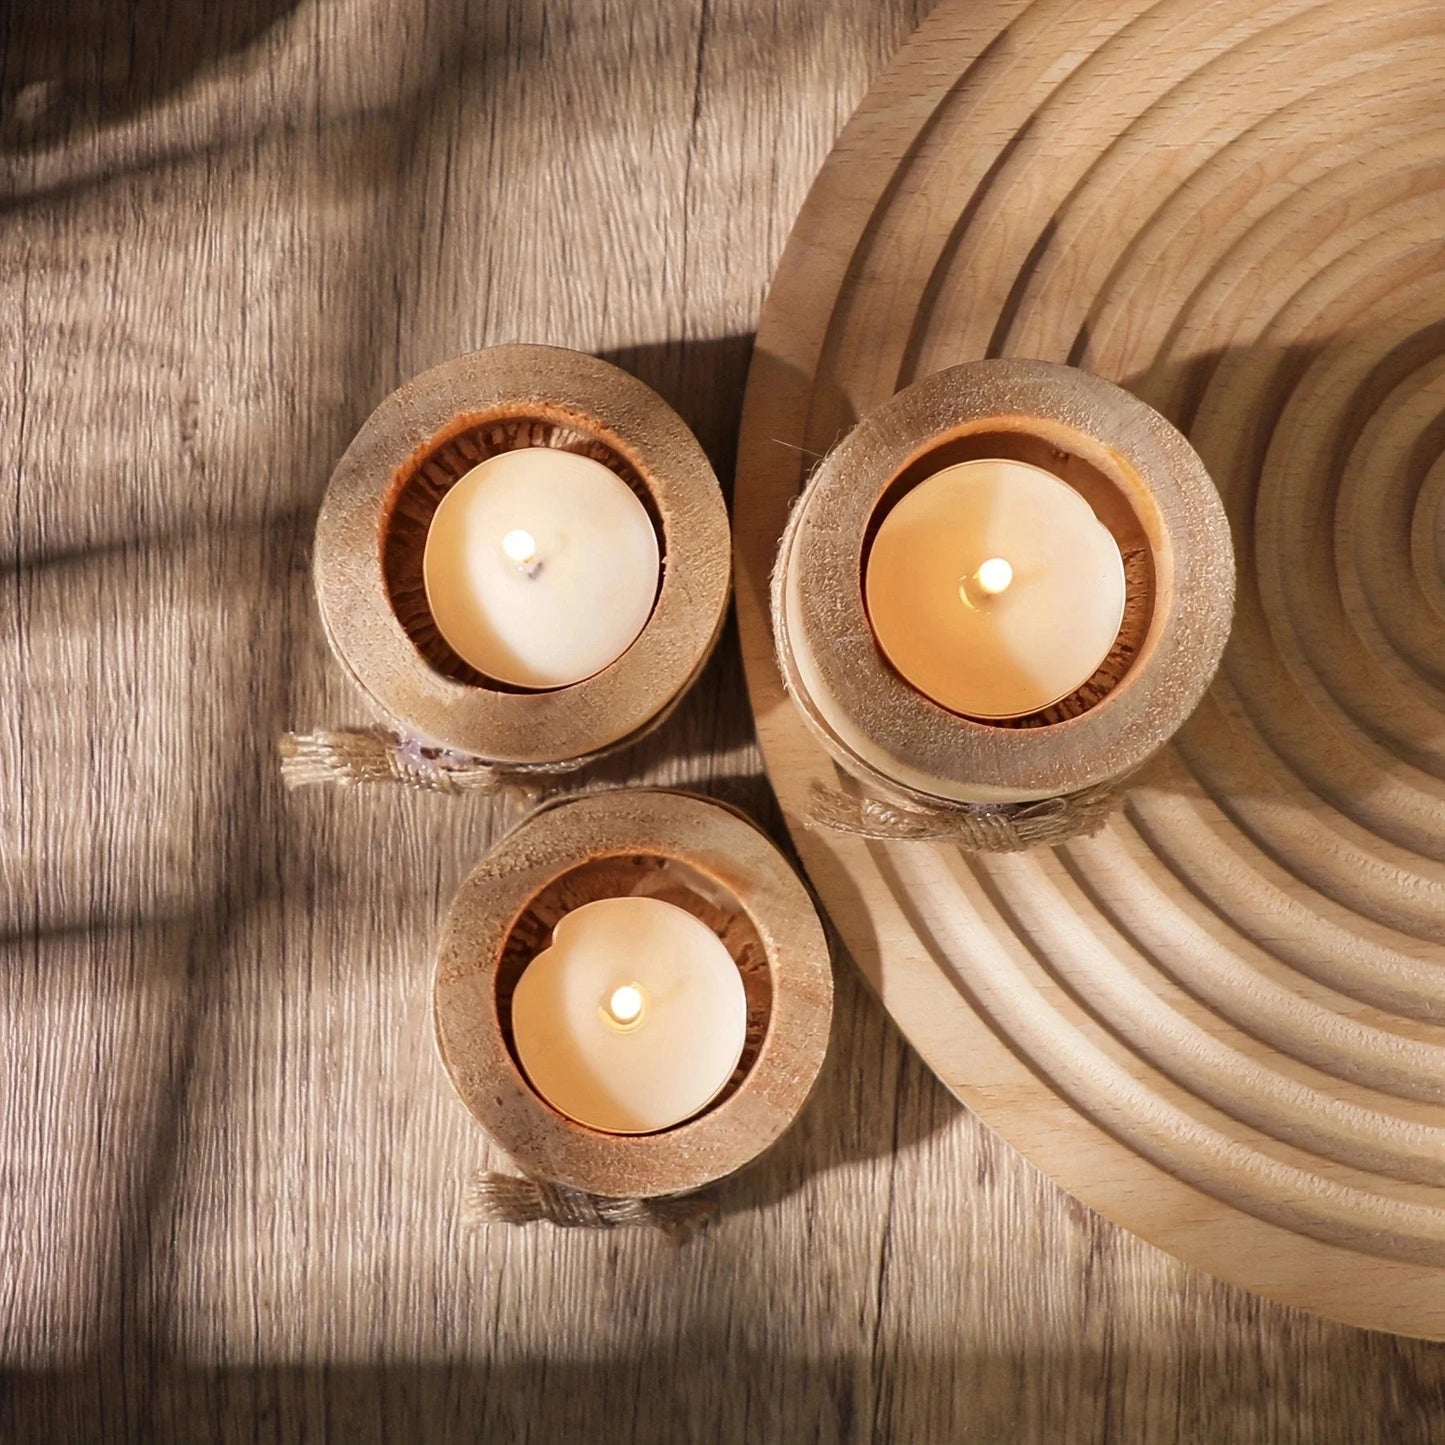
(231, 1165)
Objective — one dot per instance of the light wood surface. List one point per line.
(232, 1166)
(1218, 1021)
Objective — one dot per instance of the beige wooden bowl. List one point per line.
(1144, 482)
(688, 851)
(371, 537)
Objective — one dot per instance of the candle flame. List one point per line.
(520, 546)
(994, 576)
(626, 1003)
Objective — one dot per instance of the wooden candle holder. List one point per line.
(1144, 482)
(685, 850)
(371, 536)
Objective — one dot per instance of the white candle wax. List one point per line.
(633, 1020)
(994, 589)
(541, 567)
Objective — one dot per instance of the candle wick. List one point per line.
(520, 546)
(625, 1004)
(994, 576)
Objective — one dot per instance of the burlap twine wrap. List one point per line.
(693, 853)
(508, 1199)
(349, 757)
(456, 731)
(1015, 783)
(1007, 828)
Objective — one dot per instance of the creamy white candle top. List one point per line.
(541, 567)
(633, 1020)
(994, 589)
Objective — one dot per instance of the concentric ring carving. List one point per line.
(1222, 1020)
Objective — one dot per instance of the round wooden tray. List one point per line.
(1219, 1021)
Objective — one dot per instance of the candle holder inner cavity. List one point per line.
(420, 483)
(1106, 481)
(641, 875)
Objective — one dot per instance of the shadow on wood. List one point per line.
(75, 67)
(712, 1385)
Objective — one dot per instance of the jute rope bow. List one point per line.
(352, 756)
(1008, 828)
(349, 757)
(506, 1199)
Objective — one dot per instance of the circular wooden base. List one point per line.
(1219, 1021)
(684, 850)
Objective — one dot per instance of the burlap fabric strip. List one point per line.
(1007, 828)
(353, 757)
(350, 757)
(494, 1198)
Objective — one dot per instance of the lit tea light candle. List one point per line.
(541, 567)
(994, 575)
(994, 589)
(633, 1020)
(521, 548)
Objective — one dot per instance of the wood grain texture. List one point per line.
(1218, 1020)
(1146, 480)
(697, 855)
(413, 448)
(232, 1168)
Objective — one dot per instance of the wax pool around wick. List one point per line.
(994, 589)
(634, 1019)
(541, 567)
(994, 575)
